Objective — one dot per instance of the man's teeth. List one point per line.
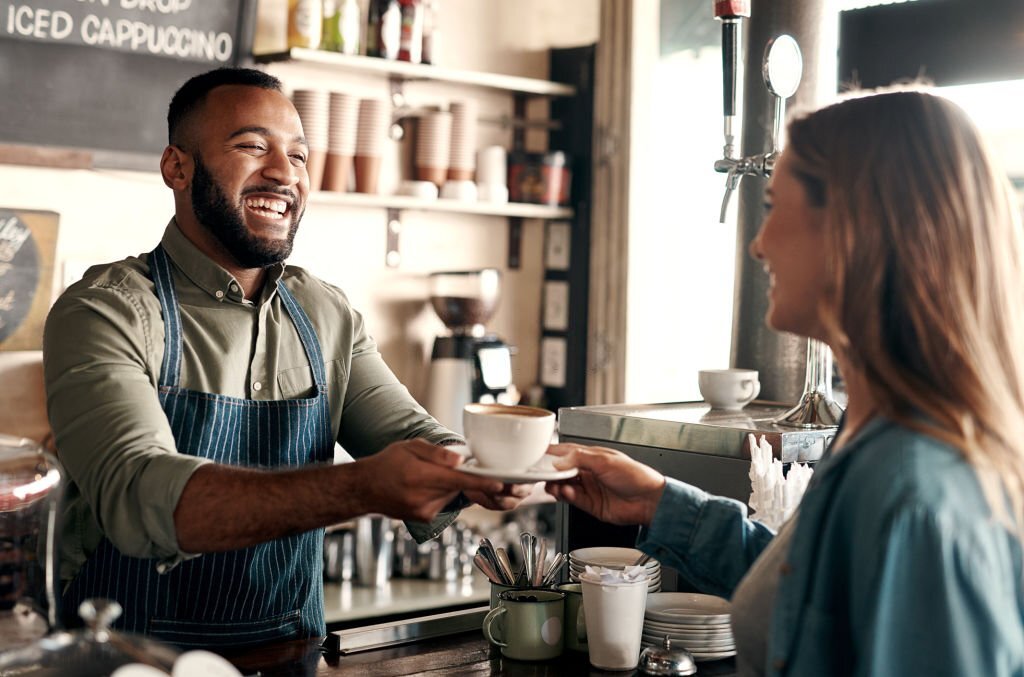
(278, 207)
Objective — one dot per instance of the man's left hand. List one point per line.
(510, 496)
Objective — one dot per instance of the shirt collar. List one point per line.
(207, 275)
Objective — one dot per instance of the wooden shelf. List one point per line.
(401, 70)
(401, 202)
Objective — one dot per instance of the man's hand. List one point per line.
(509, 498)
(611, 486)
(414, 480)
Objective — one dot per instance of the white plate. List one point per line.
(698, 656)
(607, 556)
(694, 644)
(698, 631)
(541, 471)
(689, 608)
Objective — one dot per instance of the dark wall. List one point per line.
(948, 42)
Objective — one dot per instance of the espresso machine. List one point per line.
(468, 363)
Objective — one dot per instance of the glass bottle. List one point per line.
(431, 31)
(331, 39)
(349, 21)
(384, 29)
(305, 19)
(411, 46)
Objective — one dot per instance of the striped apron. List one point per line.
(268, 592)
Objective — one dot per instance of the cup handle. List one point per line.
(489, 620)
(754, 387)
(581, 626)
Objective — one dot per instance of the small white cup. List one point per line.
(459, 190)
(492, 192)
(505, 437)
(728, 389)
(421, 189)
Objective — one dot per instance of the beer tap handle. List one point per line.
(730, 12)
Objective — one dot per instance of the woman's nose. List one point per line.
(755, 247)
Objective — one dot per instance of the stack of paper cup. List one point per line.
(461, 155)
(374, 119)
(312, 105)
(341, 142)
(491, 175)
(432, 141)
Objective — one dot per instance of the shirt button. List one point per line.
(257, 386)
(785, 569)
(219, 294)
(234, 287)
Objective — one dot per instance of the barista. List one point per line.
(197, 392)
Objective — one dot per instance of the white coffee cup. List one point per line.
(728, 389)
(614, 614)
(505, 437)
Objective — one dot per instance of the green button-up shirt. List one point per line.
(103, 347)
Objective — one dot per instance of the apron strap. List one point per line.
(306, 332)
(160, 265)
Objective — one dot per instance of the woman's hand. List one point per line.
(610, 486)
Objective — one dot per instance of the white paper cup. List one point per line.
(614, 616)
(507, 438)
(491, 166)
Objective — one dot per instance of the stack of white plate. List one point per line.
(612, 558)
(698, 623)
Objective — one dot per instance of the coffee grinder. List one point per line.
(468, 364)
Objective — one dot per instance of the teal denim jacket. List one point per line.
(897, 566)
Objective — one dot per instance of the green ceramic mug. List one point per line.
(530, 627)
(497, 589)
(575, 621)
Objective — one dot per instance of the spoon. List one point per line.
(505, 566)
(526, 544)
(538, 569)
(483, 565)
(643, 559)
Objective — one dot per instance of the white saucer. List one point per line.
(541, 471)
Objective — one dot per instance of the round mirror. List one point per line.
(783, 66)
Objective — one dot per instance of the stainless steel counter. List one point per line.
(693, 427)
(685, 440)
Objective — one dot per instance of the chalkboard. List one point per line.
(111, 95)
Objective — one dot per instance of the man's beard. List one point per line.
(216, 213)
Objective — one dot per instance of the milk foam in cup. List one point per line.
(507, 438)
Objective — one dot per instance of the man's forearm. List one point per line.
(225, 508)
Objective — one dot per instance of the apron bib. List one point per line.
(271, 591)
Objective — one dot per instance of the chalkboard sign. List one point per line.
(98, 74)
(28, 244)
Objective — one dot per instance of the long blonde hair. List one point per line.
(926, 255)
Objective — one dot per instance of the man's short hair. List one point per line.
(192, 94)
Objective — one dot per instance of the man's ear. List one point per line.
(176, 168)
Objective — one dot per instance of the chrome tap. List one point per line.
(782, 69)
